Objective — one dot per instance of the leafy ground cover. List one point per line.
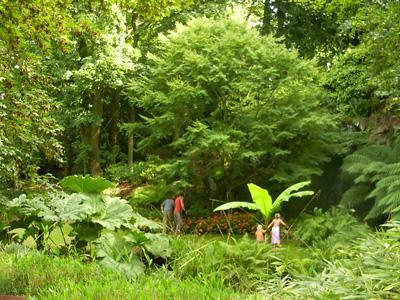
(214, 267)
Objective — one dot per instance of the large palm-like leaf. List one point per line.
(237, 204)
(288, 193)
(262, 198)
(263, 201)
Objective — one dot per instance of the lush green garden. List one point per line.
(248, 108)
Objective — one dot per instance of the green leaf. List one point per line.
(142, 222)
(262, 198)
(132, 268)
(115, 213)
(158, 245)
(69, 208)
(85, 184)
(287, 194)
(236, 204)
(116, 254)
(61, 237)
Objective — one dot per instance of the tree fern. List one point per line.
(355, 195)
(376, 176)
(393, 169)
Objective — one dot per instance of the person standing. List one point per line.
(179, 208)
(167, 209)
(275, 231)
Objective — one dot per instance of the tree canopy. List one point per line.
(223, 105)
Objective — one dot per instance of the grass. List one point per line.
(209, 267)
(45, 277)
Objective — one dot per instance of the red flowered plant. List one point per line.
(235, 223)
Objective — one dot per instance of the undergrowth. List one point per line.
(44, 277)
(333, 265)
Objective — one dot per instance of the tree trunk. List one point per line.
(97, 110)
(114, 130)
(84, 133)
(130, 140)
(267, 18)
(130, 151)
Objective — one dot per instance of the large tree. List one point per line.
(223, 106)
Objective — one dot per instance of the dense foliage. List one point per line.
(86, 221)
(375, 172)
(223, 106)
(199, 97)
(211, 267)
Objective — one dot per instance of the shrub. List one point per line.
(330, 228)
(235, 223)
(87, 222)
(140, 173)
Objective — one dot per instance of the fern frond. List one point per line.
(375, 212)
(392, 169)
(391, 201)
(374, 167)
(378, 153)
(362, 179)
(355, 195)
(356, 158)
(378, 177)
(377, 193)
(355, 162)
(389, 181)
(393, 187)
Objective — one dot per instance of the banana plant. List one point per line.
(262, 201)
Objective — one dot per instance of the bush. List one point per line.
(330, 228)
(141, 172)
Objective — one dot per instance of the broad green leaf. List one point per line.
(142, 222)
(112, 244)
(138, 238)
(131, 268)
(30, 242)
(262, 198)
(158, 245)
(69, 207)
(295, 187)
(87, 231)
(236, 204)
(287, 194)
(61, 237)
(35, 206)
(116, 253)
(85, 184)
(115, 213)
